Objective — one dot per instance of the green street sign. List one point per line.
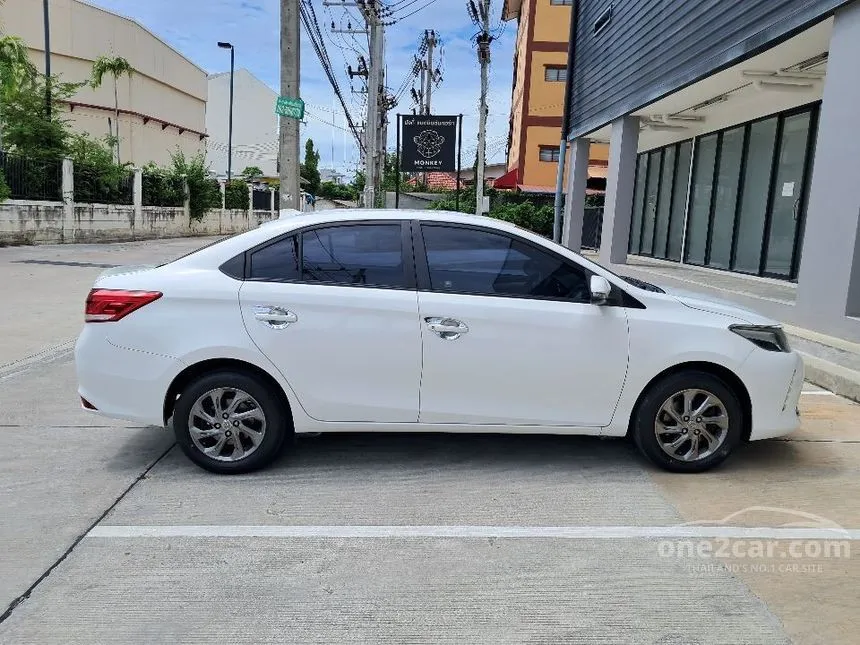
(290, 108)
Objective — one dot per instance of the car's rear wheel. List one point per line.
(230, 422)
(688, 422)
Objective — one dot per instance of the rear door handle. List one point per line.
(274, 317)
(446, 328)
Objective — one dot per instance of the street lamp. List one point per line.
(232, 49)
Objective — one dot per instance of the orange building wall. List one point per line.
(517, 97)
(537, 105)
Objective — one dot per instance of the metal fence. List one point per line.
(161, 189)
(592, 224)
(35, 179)
(96, 186)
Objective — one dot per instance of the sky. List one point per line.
(195, 26)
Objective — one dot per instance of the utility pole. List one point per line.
(289, 130)
(47, 18)
(484, 40)
(375, 117)
(430, 39)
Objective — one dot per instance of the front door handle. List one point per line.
(446, 328)
(274, 317)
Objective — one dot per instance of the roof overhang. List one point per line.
(511, 9)
(788, 75)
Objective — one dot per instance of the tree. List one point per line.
(116, 67)
(389, 173)
(310, 168)
(252, 173)
(16, 69)
(25, 126)
(204, 192)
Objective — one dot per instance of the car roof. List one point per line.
(226, 249)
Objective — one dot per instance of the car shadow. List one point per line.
(142, 448)
(437, 450)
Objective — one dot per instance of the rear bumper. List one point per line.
(774, 381)
(122, 383)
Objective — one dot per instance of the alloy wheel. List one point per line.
(691, 425)
(226, 424)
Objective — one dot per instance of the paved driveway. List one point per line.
(111, 536)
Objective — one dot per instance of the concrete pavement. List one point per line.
(64, 472)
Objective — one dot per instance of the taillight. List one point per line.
(110, 305)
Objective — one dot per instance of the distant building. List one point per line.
(163, 104)
(537, 102)
(330, 174)
(255, 125)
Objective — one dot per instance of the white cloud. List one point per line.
(195, 26)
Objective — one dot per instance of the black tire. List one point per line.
(645, 422)
(278, 425)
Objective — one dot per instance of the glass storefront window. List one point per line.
(787, 194)
(679, 200)
(638, 200)
(753, 205)
(649, 214)
(700, 204)
(664, 202)
(726, 198)
(732, 199)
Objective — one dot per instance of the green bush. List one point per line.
(98, 178)
(331, 190)
(5, 191)
(161, 187)
(236, 195)
(204, 191)
(538, 219)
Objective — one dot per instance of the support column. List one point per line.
(223, 185)
(574, 202)
(829, 276)
(620, 178)
(68, 189)
(186, 201)
(137, 199)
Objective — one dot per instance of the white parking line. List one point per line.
(557, 532)
(818, 393)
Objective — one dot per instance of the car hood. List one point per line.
(719, 307)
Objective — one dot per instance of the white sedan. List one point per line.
(416, 321)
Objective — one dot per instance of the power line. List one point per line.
(311, 25)
(416, 11)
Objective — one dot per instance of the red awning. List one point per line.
(508, 180)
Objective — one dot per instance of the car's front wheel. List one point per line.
(230, 422)
(688, 422)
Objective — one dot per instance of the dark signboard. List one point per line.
(429, 143)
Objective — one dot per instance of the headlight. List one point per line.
(769, 337)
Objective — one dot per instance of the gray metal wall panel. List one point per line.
(652, 48)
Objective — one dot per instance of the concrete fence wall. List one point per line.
(31, 222)
(53, 223)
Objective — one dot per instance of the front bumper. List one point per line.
(774, 381)
(122, 383)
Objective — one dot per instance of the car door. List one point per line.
(335, 308)
(509, 333)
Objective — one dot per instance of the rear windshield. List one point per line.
(205, 246)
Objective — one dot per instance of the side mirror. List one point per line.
(600, 289)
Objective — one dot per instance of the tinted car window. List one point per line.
(370, 254)
(277, 262)
(472, 261)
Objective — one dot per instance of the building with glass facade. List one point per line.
(733, 140)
